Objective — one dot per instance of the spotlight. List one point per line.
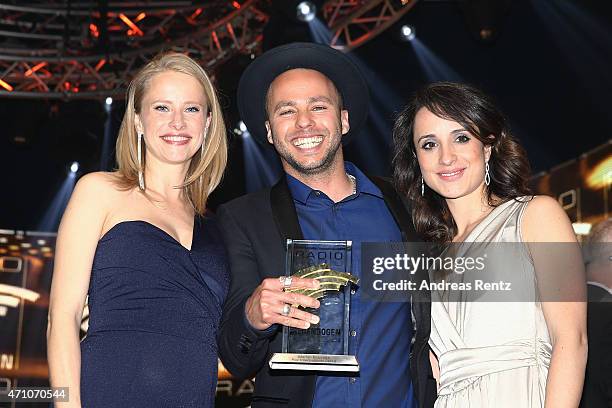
(306, 11)
(240, 128)
(486, 34)
(109, 100)
(407, 32)
(485, 18)
(74, 167)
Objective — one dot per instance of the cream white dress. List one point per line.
(493, 353)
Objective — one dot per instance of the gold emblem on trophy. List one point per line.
(329, 279)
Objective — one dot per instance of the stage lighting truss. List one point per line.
(74, 49)
(71, 49)
(355, 22)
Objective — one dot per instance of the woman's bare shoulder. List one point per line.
(543, 206)
(98, 189)
(545, 220)
(100, 179)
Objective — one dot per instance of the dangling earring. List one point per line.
(487, 175)
(204, 139)
(422, 187)
(141, 183)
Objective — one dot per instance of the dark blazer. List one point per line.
(597, 392)
(255, 228)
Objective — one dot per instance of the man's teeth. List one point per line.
(175, 138)
(307, 142)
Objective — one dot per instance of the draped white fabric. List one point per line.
(493, 353)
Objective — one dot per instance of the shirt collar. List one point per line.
(300, 191)
(364, 184)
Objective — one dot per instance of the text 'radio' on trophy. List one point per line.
(323, 346)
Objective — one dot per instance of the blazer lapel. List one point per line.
(421, 299)
(398, 209)
(284, 212)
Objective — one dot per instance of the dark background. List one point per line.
(548, 66)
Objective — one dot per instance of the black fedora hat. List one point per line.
(335, 65)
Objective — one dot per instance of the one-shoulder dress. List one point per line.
(154, 312)
(493, 353)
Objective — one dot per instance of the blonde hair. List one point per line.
(207, 166)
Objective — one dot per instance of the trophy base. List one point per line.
(314, 362)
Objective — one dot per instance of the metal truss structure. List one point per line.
(355, 22)
(76, 50)
(91, 49)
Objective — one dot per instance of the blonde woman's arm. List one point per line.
(562, 287)
(77, 239)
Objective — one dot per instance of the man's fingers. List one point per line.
(273, 298)
(296, 318)
(297, 299)
(291, 282)
(287, 310)
(303, 283)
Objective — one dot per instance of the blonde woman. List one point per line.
(138, 241)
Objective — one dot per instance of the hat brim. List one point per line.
(343, 72)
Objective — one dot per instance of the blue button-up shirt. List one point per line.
(381, 332)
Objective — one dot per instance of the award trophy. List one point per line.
(323, 346)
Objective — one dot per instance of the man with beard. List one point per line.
(307, 100)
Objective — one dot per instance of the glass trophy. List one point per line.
(323, 346)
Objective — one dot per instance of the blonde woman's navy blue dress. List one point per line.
(154, 311)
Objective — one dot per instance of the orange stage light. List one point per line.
(134, 28)
(139, 17)
(100, 64)
(196, 13)
(94, 30)
(601, 175)
(6, 85)
(236, 4)
(216, 40)
(35, 68)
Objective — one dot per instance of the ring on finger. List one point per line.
(287, 281)
(286, 309)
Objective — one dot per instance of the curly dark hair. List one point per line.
(470, 107)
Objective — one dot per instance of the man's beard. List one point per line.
(319, 167)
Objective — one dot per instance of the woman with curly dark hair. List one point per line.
(467, 179)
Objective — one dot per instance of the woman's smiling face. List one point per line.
(173, 117)
(451, 159)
